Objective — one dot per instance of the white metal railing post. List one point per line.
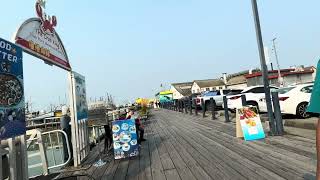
(43, 154)
(24, 157)
(12, 159)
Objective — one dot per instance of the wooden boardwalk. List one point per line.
(180, 146)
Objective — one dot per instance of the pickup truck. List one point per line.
(217, 96)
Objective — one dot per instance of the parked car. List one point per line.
(293, 100)
(217, 96)
(253, 95)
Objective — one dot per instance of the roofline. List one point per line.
(284, 72)
(174, 84)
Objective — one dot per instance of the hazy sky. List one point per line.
(129, 47)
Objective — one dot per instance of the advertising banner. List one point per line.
(249, 124)
(125, 139)
(12, 112)
(79, 85)
(37, 36)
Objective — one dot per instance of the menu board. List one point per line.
(125, 139)
(12, 107)
(249, 124)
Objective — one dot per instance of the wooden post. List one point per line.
(213, 108)
(277, 113)
(190, 105)
(195, 107)
(225, 106)
(243, 100)
(203, 106)
(185, 106)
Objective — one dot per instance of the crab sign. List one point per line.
(47, 23)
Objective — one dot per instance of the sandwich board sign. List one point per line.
(125, 139)
(248, 123)
(12, 112)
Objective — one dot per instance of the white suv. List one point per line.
(253, 95)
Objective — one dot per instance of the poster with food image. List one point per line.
(79, 85)
(125, 139)
(12, 112)
(250, 123)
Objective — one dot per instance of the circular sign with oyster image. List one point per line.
(125, 137)
(11, 90)
(125, 147)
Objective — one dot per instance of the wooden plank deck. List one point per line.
(180, 146)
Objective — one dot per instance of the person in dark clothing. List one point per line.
(66, 127)
(139, 127)
(107, 138)
(140, 130)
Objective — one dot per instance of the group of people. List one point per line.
(139, 129)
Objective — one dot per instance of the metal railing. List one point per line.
(48, 143)
(52, 122)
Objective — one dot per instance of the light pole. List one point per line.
(277, 60)
(263, 65)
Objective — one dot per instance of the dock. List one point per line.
(180, 146)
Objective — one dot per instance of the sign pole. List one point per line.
(24, 157)
(12, 158)
(264, 68)
(73, 121)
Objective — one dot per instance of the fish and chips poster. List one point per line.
(12, 107)
(125, 139)
(249, 124)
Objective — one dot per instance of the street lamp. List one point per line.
(263, 65)
(280, 79)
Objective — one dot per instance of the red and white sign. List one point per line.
(38, 37)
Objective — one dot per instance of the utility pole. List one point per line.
(263, 65)
(277, 60)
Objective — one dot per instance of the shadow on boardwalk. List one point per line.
(180, 146)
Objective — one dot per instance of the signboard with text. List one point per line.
(12, 111)
(37, 36)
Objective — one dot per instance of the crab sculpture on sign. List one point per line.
(47, 22)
